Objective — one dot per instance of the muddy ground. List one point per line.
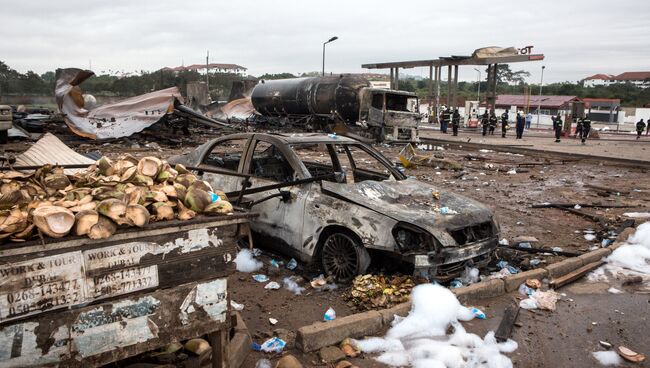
(485, 176)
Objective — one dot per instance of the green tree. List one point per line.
(506, 75)
(268, 76)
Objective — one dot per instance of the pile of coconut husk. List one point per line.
(379, 291)
(95, 202)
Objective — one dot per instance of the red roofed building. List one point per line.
(639, 79)
(598, 80)
(549, 105)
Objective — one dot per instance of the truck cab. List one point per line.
(6, 123)
(392, 115)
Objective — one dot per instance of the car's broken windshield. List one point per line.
(398, 102)
(353, 160)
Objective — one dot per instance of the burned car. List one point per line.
(333, 201)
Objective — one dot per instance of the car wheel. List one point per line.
(343, 257)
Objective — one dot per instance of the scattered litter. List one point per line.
(273, 321)
(329, 315)
(350, 348)
(545, 300)
(528, 304)
(512, 172)
(614, 290)
(478, 313)
(534, 283)
(261, 278)
(535, 261)
(257, 252)
(273, 345)
(434, 310)
(318, 281)
(455, 284)
(447, 211)
(246, 263)
(236, 306)
(605, 344)
(292, 286)
(556, 249)
(519, 223)
(275, 263)
(607, 357)
(577, 207)
(526, 290)
(379, 291)
(263, 363)
(637, 214)
(504, 241)
(292, 264)
(485, 151)
(272, 286)
(630, 355)
(590, 237)
(525, 245)
(256, 347)
(470, 275)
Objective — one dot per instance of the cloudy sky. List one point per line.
(579, 38)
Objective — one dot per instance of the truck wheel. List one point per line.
(4, 136)
(343, 257)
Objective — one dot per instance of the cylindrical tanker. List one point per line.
(332, 95)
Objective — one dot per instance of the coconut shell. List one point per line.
(185, 179)
(201, 184)
(105, 166)
(15, 221)
(184, 213)
(218, 208)
(180, 169)
(10, 187)
(29, 230)
(128, 157)
(11, 199)
(84, 221)
(142, 180)
(197, 200)
(149, 166)
(103, 229)
(120, 166)
(54, 221)
(180, 191)
(197, 346)
(84, 207)
(155, 196)
(162, 211)
(137, 215)
(169, 190)
(128, 174)
(113, 209)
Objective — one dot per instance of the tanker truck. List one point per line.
(345, 104)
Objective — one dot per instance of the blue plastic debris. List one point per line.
(478, 313)
(261, 278)
(292, 264)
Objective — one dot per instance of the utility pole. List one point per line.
(478, 88)
(539, 102)
(325, 43)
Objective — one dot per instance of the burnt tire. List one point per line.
(343, 257)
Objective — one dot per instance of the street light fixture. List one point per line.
(539, 102)
(325, 43)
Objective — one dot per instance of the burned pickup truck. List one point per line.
(334, 201)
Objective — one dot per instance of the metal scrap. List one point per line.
(379, 291)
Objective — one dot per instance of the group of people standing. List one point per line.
(489, 122)
(447, 116)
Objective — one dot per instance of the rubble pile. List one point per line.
(95, 201)
(379, 291)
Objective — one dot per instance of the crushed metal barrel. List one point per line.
(379, 291)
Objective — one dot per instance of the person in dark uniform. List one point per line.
(504, 123)
(521, 123)
(586, 127)
(455, 122)
(557, 126)
(485, 118)
(640, 127)
(579, 125)
(441, 118)
(447, 119)
(493, 122)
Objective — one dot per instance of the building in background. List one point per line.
(212, 67)
(549, 105)
(602, 109)
(639, 79)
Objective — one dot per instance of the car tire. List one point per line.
(343, 257)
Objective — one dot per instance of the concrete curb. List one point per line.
(240, 343)
(318, 335)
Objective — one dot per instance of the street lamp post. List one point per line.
(539, 102)
(325, 43)
(478, 88)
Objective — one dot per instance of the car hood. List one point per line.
(414, 202)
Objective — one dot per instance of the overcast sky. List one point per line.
(579, 38)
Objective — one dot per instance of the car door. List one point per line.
(226, 155)
(272, 162)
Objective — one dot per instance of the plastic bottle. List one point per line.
(330, 315)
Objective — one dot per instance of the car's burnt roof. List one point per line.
(297, 138)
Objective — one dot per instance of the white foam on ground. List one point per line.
(420, 339)
(630, 259)
(607, 357)
(590, 237)
(246, 262)
(292, 286)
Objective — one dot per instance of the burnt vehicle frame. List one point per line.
(332, 215)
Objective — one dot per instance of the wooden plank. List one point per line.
(575, 275)
(504, 331)
(219, 343)
(111, 331)
(69, 277)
